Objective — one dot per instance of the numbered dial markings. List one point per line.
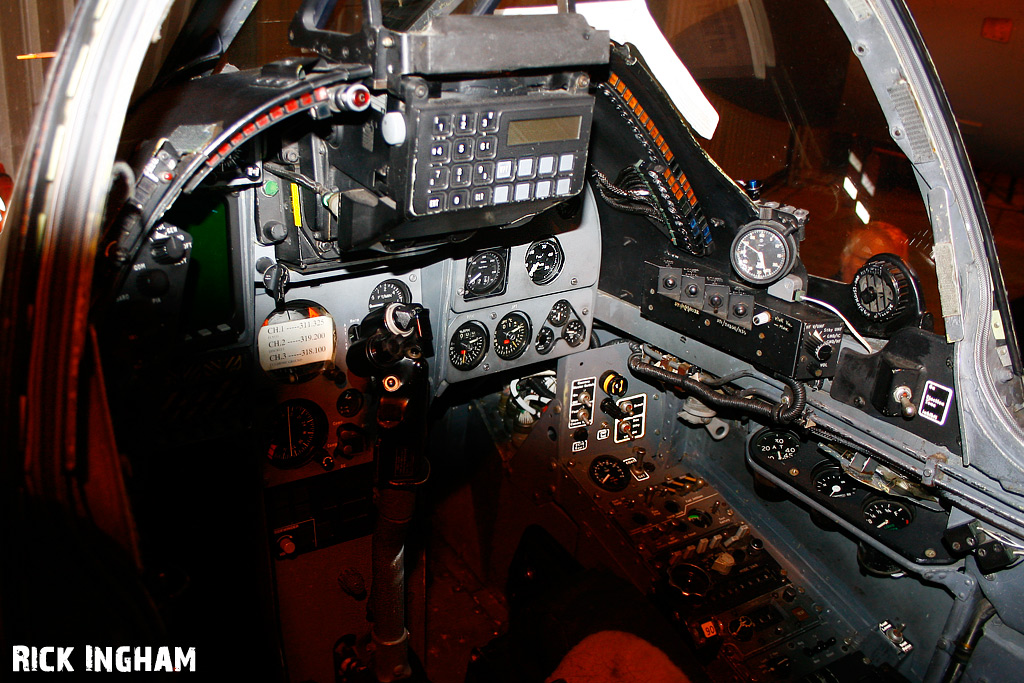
(775, 445)
(295, 430)
(544, 260)
(512, 336)
(574, 333)
(468, 346)
(761, 254)
(560, 313)
(545, 340)
(609, 473)
(389, 292)
(833, 483)
(485, 272)
(887, 514)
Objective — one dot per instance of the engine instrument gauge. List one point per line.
(831, 482)
(545, 340)
(560, 313)
(574, 333)
(512, 336)
(468, 346)
(609, 473)
(762, 253)
(389, 292)
(883, 288)
(485, 273)
(775, 445)
(887, 514)
(544, 260)
(295, 430)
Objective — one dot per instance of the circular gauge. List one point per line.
(761, 253)
(609, 473)
(887, 514)
(881, 290)
(545, 340)
(468, 345)
(484, 272)
(833, 483)
(350, 402)
(574, 333)
(775, 445)
(544, 260)
(295, 430)
(389, 292)
(512, 336)
(559, 313)
(296, 343)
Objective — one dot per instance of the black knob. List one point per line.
(823, 351)
(274, 232)
(168, 250)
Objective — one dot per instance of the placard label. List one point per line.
(296, 342)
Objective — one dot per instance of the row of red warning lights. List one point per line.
(272, 115)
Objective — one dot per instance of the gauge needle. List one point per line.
(760, 260)
(884, 524)
(606, 478)
(836, 489)
(473, 279)
(533, 269)
(288, 417)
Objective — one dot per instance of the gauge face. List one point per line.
(512, 336)
(774, 445)
(761, 254)
(574, 333)
(544, 260)
(833, 483)
(609, 473)
(468, 346)
(559, 313)
(389, 292)
(887, 514)
(295, 430)
(545, 340)
(484, 272)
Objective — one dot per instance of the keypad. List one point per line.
(468, 165)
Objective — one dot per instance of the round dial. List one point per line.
(881, 290)
(468, 345)
(484, 272)
(545, 340)
(761, 253)
(574, 333)
(559, 313)
(544, 260)
(887, 514)
(389, 292)
(775, 445)
(294, 431)
(609, 473)
(512, 336)
(833, 483)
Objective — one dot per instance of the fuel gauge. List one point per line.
(544, 260)
(887, 514)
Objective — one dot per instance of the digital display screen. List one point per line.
(532, 131)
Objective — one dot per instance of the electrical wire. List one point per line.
(849, 325)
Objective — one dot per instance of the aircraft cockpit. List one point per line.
(488, 342)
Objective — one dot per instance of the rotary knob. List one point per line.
(881, 290)
(821, 348)
(168, 250)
